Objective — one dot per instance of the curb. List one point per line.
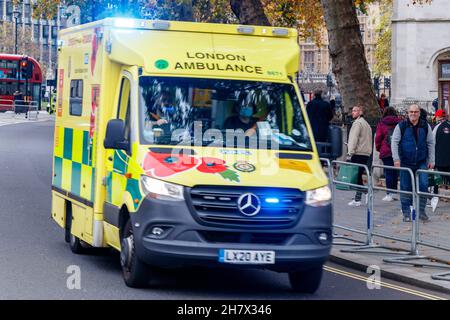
(390, 275)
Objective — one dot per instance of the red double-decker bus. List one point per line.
(11, 81)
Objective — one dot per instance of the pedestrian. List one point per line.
(333, 106)
(423, 114)
(435, 104)
(441, 134)
(413, 147)
(320, 115)
(383, 141)
(18, 102)
(359, 146)
(439, 117)
(383, 102)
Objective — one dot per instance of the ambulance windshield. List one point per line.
(221, 113)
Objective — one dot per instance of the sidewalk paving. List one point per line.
(9, 117)
(388, 222)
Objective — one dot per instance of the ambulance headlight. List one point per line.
(318, 197)
(161, 190)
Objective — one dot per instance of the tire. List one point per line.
(307, 281)
(76, 245)
(136, 274)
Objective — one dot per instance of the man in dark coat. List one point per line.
(320, 115)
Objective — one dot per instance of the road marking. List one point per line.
(384, 284)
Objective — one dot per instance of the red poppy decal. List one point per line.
(215, 165)
(212, 165)
(160, 165)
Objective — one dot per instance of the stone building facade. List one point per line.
(421, 52)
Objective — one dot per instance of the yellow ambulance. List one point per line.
(187, 144)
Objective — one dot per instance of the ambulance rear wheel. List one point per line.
(136, 274)
(307, 281)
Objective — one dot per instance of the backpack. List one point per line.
(390, 132)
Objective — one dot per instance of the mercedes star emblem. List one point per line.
(249, 204)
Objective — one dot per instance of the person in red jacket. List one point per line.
(384, 132)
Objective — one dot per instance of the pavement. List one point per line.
(392, 240)
(8, 117)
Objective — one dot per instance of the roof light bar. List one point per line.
(280, 32)
(124, 23)
(161, 25)
(245, 29)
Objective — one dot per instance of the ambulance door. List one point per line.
(117, 160)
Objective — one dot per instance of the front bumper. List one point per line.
(186, 242)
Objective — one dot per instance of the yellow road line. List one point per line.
(384, 284)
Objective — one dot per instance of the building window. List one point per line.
(9, 8)
(76, 97)
(45, 33)
(309, 56)
(36, 31)
(444, 70)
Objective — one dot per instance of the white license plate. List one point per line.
(246, 256)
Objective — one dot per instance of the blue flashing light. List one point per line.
(124, 23)
(272, 200)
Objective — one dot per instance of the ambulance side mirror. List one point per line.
(335, 137)
(115, 135)
(333, 148)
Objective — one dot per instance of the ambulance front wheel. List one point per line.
(76, 245)
(136, 274)
(307, 281)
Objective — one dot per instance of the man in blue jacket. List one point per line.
(413, 147)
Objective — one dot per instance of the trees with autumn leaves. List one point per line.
(344, 37)
(308, 16)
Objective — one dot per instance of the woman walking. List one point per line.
(384, 132)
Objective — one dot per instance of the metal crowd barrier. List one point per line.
(330, 174)
(389, 225)
(362, 226)
(28, 107)
(425, 237)
(433, 261)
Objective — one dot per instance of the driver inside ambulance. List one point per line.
(163, 110)
(243, 120)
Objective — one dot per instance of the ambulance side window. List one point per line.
(76, 97)
(123, 110)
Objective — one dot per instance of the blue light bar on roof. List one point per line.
(124, 23)
(280, 32)
(161, 25)
(245, 29)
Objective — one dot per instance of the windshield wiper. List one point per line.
(293, 147)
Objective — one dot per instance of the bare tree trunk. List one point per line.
(249, 12)
(349, 61)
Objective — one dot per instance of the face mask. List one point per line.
(168, 110)
(246, 111)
